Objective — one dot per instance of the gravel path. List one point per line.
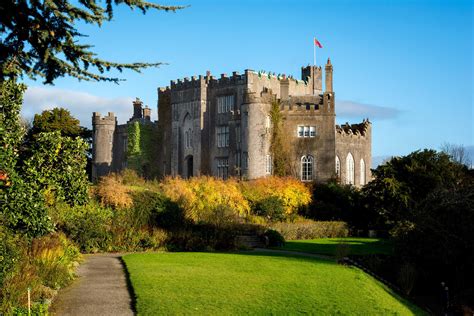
(101, 289)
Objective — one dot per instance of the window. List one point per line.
(222, 168)
(223, 136)
(338, 167)
(300, 131)
(238, 163)
(307, 168)
(268, 123)
(362, 172)
(225, 104)
(237, 134)
(188, 138)
(268, 164)
(306, 131)
(125, 144)
(245, 160)
(349, 169)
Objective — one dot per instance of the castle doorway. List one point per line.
(189, 166)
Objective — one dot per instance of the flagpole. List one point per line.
(314, 53)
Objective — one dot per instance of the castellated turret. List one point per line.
(103, 129)
(313, 76)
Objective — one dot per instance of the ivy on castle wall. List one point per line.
(279, 144)
(141, 148)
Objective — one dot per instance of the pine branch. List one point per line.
(37, 32)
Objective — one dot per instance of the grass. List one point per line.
(329, 246)
(255, 283)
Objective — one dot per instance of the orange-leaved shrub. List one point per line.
(207, 199)
(111, 192)
(292, 193)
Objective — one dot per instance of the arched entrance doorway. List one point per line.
(189, 166)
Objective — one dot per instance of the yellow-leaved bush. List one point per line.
(293, 193)
(207, 199)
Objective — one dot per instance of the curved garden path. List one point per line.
(101, 289)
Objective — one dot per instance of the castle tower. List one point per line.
(103, 129)
(137, 109)
(328, 69)
(313, 75)
(147, 114)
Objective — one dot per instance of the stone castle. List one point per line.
(223, 127)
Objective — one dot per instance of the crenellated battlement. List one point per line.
(299, 104)
(109, 119)
(360, 129)
(225, 80)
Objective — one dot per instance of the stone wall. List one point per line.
(355, 139)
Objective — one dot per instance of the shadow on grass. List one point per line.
(131, 291)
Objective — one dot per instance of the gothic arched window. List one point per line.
(307, 168)
(362, 172)
(349, 169)
(338, 167)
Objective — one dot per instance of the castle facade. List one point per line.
(223, 127)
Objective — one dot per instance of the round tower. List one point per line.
(103, 129)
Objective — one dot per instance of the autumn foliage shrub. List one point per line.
(292, 193)
(111, 192)
(206, 199)
(308, 229)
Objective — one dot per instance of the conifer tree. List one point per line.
(39, 38)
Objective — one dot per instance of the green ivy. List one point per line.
(141, 148)
(281, 161)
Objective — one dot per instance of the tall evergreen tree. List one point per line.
(39, 38)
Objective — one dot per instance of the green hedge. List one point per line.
(311, 229)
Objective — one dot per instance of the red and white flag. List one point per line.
(317, 43)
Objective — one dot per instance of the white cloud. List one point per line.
(351, 109)
(80, 104)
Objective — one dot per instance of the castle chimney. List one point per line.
(137, 109)
(147, 113)
(328, 69)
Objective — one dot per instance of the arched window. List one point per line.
(338, 167)
(362, 172)
(190, 137)
(307, 168)
(349, 169)
(186, 139)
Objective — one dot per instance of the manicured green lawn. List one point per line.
(328, 246)
(255, 283)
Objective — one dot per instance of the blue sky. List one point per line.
(407, 65)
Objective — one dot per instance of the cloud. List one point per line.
(80, 104)
(351, 109)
